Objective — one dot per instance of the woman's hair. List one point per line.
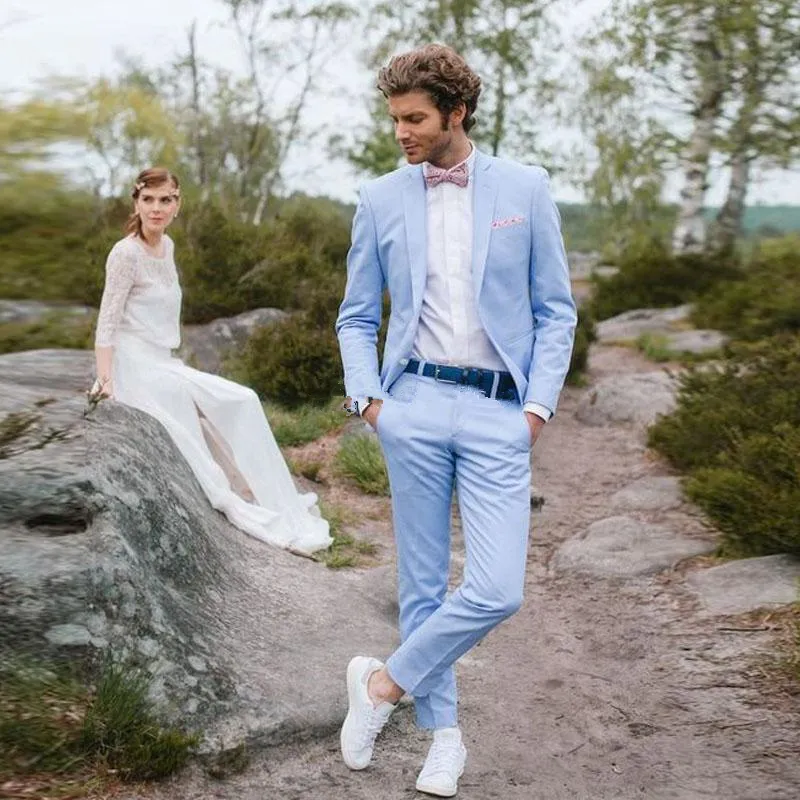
(147, 179)
(437, 70)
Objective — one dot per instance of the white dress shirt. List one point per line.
(450, 329)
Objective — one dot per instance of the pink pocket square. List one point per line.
(507, 222)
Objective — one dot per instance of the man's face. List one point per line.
(419, 127)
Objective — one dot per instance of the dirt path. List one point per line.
(598, 689)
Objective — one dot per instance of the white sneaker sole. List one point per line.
(354, 669)
(438, 792)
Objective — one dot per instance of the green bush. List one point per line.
(360, 459)
(736, 430)
(584, 336)
(757, 388)
(293, 363)
(653, 278)
(305, 423)
(764, 301)
(753, 495)
(51, 723)
(54, 330)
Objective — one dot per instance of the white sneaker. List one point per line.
(363, 721)
(444, 764)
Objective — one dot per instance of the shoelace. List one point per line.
(373, 724)
(443, 757)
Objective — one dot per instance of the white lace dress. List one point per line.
(140, 318)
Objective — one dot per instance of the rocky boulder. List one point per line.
(637, 399)
(207, 346)
(108, 547)
(695, 342)
(747, 585)
(620, 547)
(33, 310)
(627, 327)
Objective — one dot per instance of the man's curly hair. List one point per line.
(437, 70)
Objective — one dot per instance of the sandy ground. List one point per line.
(597, 689)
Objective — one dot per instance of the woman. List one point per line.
(219, 426)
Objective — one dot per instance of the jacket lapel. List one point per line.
(484, 199)
(416, 219)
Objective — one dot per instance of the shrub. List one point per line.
(293, 362)
(736, 429)
(653, 278)
(584, 336)
(753, 495)
(360, 459)
(764, 301)
(757, 388)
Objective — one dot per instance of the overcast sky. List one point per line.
(83, 37)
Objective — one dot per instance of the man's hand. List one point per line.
(371, 413)
(535, 423)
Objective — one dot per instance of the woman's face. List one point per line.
(157, 207)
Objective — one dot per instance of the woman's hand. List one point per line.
(102, 388)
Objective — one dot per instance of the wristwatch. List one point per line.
(356, 406)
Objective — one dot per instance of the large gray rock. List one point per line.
(40, 376)
(108, 546)
(630, 325)
(637, 399)
(207, 346)
(747, 585)
(624, 547)
(32, 310)
(653, 493)
(696, 342)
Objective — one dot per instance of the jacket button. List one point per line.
(403, 362)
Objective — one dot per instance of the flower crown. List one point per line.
(137, 187)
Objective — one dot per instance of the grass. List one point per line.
(309, 468)
(57, 735)
(305, 424)
(360, 459)
(346, 550)
(53, 330)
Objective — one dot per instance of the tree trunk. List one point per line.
(728, 224)
(690, 229)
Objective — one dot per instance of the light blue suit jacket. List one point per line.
(519, 271)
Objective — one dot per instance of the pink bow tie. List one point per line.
(459, 175)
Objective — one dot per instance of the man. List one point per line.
(478, 346)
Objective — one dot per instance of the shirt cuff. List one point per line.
(537, 408)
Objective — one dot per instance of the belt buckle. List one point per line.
(436, 371)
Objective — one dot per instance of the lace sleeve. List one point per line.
(120, 276)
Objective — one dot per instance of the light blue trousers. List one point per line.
(436, 437)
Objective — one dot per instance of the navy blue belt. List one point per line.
(491, 382)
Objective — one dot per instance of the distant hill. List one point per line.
(785, 219)
(584, 228)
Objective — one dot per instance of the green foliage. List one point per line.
(50, 723)
(294, 362)
(753, 493)
(54, 330)
(650, 277)
(305, 423)
(119, 728)
(584, 336)
(360, 459)
(735, 430)
(766, 298)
